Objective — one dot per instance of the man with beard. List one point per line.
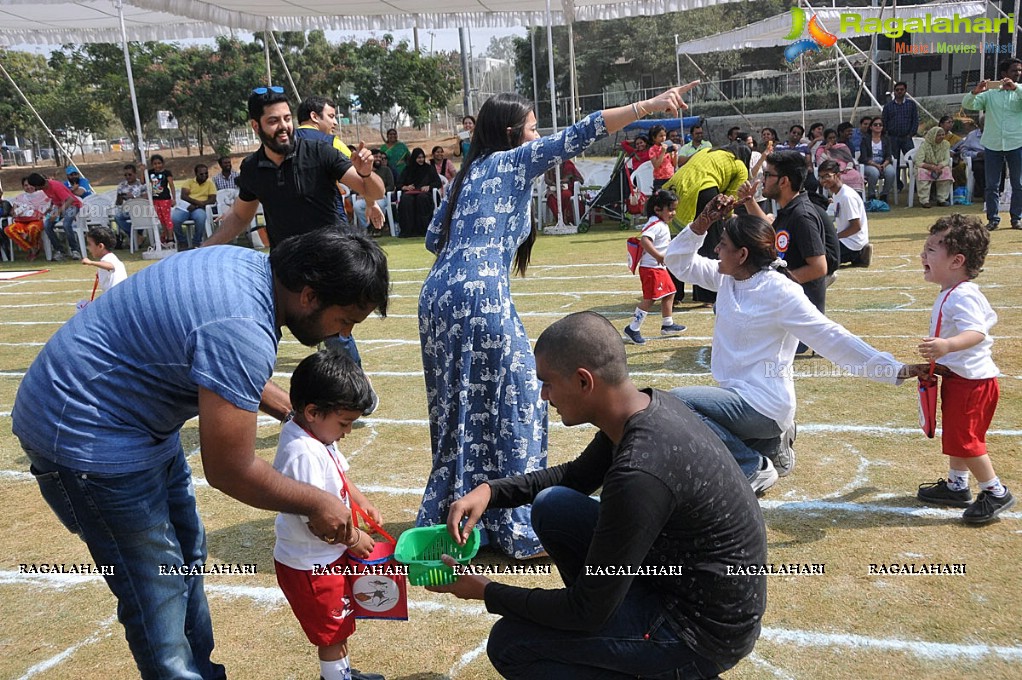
(100, 410)
(294, 179)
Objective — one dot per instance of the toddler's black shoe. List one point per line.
(987, 507)
(939, 493)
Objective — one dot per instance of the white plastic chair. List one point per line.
(642, 178)
(143, 220)
(910, 163)
(97, 211)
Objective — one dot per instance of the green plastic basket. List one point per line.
(421, 548)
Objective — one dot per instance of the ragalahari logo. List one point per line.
(818, 37)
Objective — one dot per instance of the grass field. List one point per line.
(849, 503)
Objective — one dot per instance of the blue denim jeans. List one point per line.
(994, 162)
(68, 218)
(197, 215)
(873, 176)
(747, 433)
(137, 523)
(637, 641)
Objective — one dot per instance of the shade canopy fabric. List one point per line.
(51, 22)
(774, 32)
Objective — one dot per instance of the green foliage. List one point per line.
(392, 80)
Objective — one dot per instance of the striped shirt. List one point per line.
(111, 389)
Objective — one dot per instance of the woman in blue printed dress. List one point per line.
(486, 417)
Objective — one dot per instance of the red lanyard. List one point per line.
(940, 315)
(344, 480)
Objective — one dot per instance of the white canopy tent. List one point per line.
(775, 32)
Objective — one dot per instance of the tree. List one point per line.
(210, 90)
(502, 47)
(36, 79)
(391, 81)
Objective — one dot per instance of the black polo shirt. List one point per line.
(800, 235)
(298, 196)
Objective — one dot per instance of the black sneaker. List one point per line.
(992, 225)
(939, 494)
(635, 337)
(363, 675)
(987, 507)
(1016, 224)
(866, 255)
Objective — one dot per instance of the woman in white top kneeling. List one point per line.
(761, 316)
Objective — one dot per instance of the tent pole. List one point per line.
(574, 76)
(63, 149)
(287, 72)
(158, 246)
(802, 81)
(708, 81)
(266, 54)
(466, 76)
(553, 110)
(535, 78)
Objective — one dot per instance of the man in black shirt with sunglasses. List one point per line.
(294, 179)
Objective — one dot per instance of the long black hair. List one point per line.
(499, 127)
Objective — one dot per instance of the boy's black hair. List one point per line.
(790, 164)
(584, 340)
(330, 380)
(966, 235)
(104, 236)
(830, 166)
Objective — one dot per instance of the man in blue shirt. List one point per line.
(901, 121)
(78, 185)
(100, 410)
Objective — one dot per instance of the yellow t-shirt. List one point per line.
(199, 192)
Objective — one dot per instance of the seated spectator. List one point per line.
(689, 149)
(358, 203)
(666, 479)
(769, 137)
(732, 133)
(946, 123)
(65, 207)
(28, 210)
(227, 178)
(876, 154)
(444, 168)
(78, 185)
(100, 243)
(933, 167)
(396, 151)
(569, 175)
(850, 218)
(970, 147)
(854, 142)
(816, 138)
(130, 187)
(196, 194)
(637, 150)
(416, 184)
(674, 137)
(833, 150)
(796, 143)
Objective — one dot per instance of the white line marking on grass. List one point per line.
(860, 474)
(273, 596)
(777, 672)
(468, 657)
(932, 651)
(810, 506)
(101, 634)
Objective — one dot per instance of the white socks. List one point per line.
(958, 480)
(667, 321)
(637, 320)
(993, 487)
(335, 670)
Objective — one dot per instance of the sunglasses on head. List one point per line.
(272, 88)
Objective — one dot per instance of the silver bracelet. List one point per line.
(358, 537)
(635, 110)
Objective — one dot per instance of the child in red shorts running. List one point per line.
(328, 392)
(656, 281)
(952, 256)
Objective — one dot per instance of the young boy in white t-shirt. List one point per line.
(656, 280)
(99, 243)
(329, 392)
(849, 217)
(952, 256)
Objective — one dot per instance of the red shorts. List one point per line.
(656, 283)
(966, 409)
(321, 602)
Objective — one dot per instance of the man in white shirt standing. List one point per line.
(849, 217)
